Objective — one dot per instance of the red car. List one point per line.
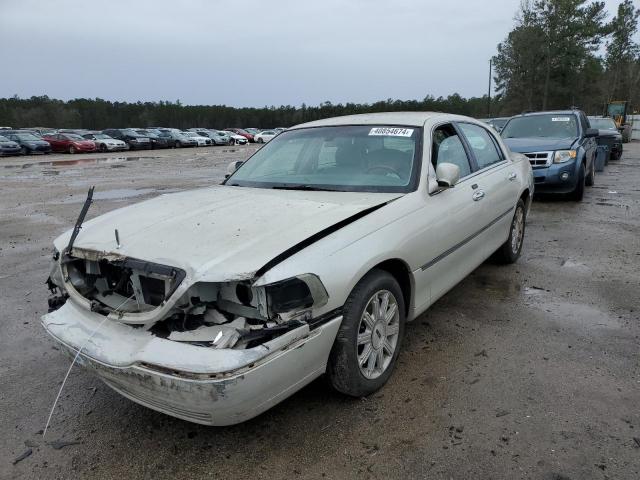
(242, 132)
(70, 142)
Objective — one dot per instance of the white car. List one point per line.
(105, 143)
(236, 139)
(265, 136)
(215, 304)
(202, 141)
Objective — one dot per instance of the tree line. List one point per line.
(565, 53)
(561, 53)
(99, 114)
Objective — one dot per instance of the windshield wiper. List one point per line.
(311, 188)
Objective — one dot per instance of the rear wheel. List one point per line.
(578, 192)
(510, 250)
(72, 149)
(177, 144)
(368, 343)
(24, 151)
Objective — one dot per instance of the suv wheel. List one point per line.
(591, 178)
(578, 192)
(368, 343)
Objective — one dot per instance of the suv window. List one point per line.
(585, 122)
(483, 145)
(448, 148)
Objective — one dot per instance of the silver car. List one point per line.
(215, 304)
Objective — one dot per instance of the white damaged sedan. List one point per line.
(214, 305)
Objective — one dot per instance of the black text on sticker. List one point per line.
(392, 131)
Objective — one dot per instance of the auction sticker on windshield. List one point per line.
(391, 131)
(560, 119)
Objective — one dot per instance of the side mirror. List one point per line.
(232, 167)
(591, 133)
(447, 174)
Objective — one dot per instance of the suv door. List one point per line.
(497, 186)
(590, 145)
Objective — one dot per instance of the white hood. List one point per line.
(220, 233)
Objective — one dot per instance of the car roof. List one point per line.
(415, 119)
(549, 112)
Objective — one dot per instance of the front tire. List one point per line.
(178, 144)
(510, 250)
(591, 178)
(370, 337)
(24, 151)
(102, 148)
(578, 192)
(72, 149)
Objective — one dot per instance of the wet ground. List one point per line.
(524, 371)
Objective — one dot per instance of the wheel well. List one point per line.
(526, 197)
(400, 271)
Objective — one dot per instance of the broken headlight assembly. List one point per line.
(240, 315)
(295, 294)
(55, 283)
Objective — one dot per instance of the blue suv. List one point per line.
(561, 146)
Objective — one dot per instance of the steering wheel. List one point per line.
(384, 167)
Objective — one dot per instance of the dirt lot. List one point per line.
(524, 371)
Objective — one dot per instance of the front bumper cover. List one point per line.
(197, 384)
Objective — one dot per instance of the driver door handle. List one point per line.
(513, 176)
(478, 195)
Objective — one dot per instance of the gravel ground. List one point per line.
(523, 371)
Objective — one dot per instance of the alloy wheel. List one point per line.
(378, 334)
(517, 230)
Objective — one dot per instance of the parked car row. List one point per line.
(565, 147)
(46, 140)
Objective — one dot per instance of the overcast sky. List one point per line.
(250, 52)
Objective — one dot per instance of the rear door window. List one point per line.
(482, 145)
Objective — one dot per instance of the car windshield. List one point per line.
(100, 136)
(131, 132)
(190, 134)
(556, 125)
(4, 139)
(362, 158)
(147, 133)
(74, 137)
(27, 136)
(603, 123)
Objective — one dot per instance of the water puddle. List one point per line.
(577, 314)
(80, 162)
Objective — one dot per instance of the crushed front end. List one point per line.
(214, 353)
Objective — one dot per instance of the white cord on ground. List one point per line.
(44, 432)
